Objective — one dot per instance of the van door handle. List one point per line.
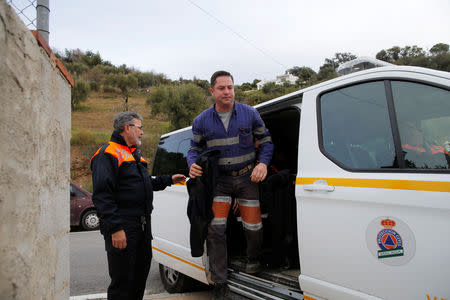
(319, 186)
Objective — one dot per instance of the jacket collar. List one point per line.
(233, 109)
(116, 137)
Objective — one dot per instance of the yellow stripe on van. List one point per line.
(308, 297)
(414, 185)
(180, 259)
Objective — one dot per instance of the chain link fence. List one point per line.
(26, 9)
(34, 13)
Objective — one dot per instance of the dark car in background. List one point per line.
(82, 210)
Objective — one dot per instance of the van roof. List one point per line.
(380, 70)
(363, 73)
(361, 63)
(176, 131)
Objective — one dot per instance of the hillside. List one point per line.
(100, 88)
(92, 127)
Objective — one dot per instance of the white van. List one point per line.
(365, 213)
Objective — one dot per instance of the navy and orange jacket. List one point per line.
(426, 156)
(123, 189)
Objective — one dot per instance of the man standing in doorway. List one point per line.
(123, 196)
(231, 127)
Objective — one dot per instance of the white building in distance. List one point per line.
(280, 80)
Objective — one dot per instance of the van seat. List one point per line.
(351, 156)
(361, 158)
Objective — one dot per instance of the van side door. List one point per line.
(374, 213)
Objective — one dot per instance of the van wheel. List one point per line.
(90, 220)
(174, 281)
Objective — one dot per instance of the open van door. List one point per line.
(170, 224)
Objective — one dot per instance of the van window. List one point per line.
(171, 154)
(423, 117)
(356, 131)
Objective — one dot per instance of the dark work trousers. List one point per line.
(246, 193)
(128, 268)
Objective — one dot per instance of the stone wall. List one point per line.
(34, 166)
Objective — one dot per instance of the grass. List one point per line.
(92, 127)
(80, 107)
(83, 136)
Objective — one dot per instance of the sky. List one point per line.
(249, 38)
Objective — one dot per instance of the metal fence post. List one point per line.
(42, 15)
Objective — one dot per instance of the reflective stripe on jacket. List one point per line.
(236, 145)
(434, 149)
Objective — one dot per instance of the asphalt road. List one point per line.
(89, 269)
(89, 272)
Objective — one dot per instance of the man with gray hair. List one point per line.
(123, 196)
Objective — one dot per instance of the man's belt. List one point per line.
(238, 172)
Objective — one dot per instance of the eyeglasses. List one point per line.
(140, 127)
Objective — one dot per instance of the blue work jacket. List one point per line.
(236, 144)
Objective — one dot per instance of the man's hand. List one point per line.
(178, 178)
(259, 172)
(119, 240)
(195, 171)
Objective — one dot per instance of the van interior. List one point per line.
(280, 257)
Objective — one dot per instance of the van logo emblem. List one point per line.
(389, 241)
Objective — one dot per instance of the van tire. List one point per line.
(174, 281)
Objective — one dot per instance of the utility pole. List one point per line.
(42, 15)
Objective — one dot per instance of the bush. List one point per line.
(80, 91)
(182, 103)
(110, 89)
(94, 86)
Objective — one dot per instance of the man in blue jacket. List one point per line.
(231, 128)
(123, 196)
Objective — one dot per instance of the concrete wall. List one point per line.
(34, 167)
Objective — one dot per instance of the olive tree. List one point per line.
(80, 92)
(181, 103)
(125, 82)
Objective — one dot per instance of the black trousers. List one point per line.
(247, 194)
(129, 268)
